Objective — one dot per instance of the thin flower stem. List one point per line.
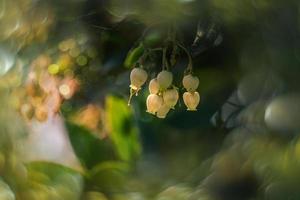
(146, 53)
(156, 49)
(132, 92)
(164, 59)
(190, 64)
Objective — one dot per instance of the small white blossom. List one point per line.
(191, 100)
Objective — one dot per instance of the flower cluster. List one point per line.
(44, 93)
(163, 94)
(55, 76)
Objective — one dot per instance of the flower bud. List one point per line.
(41, 113)
(165, 79)
(191, 100)
(171, 97)
(190, 83)
(138, 77)
(153, 86)
(163, 111)
(154, 102)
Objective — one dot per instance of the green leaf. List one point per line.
(64, 181)
(6, 192)
(109, 176)
(133, 56)
(49, 169)
(89, 149)
(153, 38)
(122, 128)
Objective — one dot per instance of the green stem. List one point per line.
(190, 64)
(164, 63)
(146, 53)
(132, 93)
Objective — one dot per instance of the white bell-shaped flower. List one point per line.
(165, 79)
(171, 97)
(138, 77)
(153, 86)
(190, 83)
(191, 100)
(163, 111)
(154, 102)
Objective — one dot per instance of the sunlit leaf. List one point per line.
(49, 169)
(133, 56)
(122, 128)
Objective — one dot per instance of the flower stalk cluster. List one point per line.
(163, 94)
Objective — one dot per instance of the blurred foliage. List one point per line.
(87, 146)
(110, 176)
(64, 79)
(121, 125)
(133, 56)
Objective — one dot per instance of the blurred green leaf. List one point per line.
(89, 149)
(133, 56)
(48, 180)
(6, 192)
(153, 38)
(109, 176)
(49, 169)
(122, 128)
